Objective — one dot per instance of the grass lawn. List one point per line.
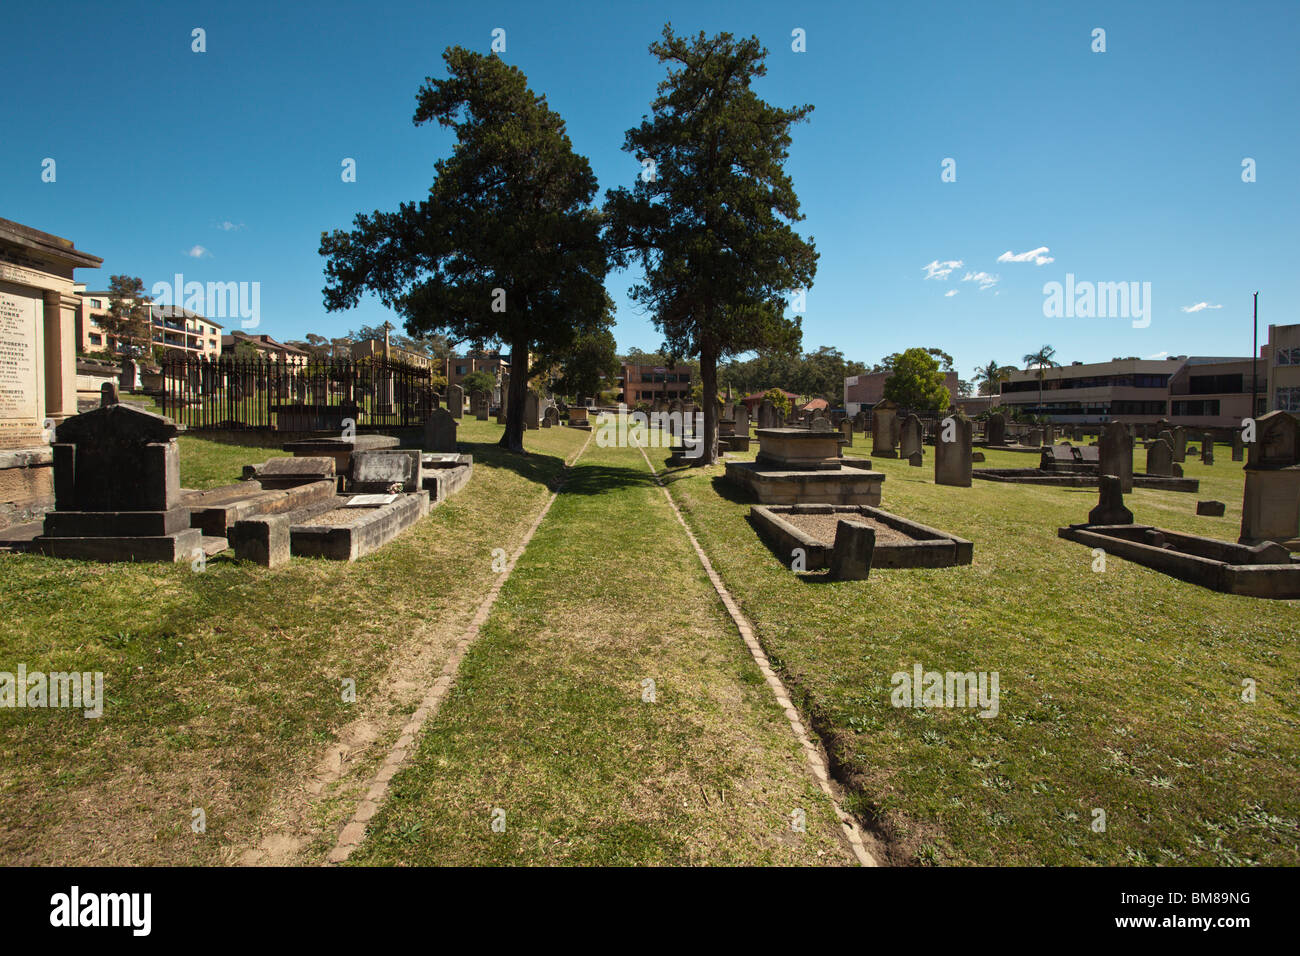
(223, 687)
(1120, 691)
(547, 722)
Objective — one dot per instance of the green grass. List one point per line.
(546, 721)
(223, 687)
(1119, 690)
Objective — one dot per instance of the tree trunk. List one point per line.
(513, 437)
(709, 399)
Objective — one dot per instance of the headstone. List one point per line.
(532, 411)
(1116, 455)
(855, 543)
(440, 431)
(821, 425)
(846, 429)
(1214, 509)
(1207, 450)
(1180, 443)
(456, 401)
(915, 459)
(389, 470)
(995, 432)
(767, 415)
(479, 402)
(550, 417)
(1033, 438)
(860, 422)
(1110, 506)
(1237, 445)
(1049, 435)
(884, 443)
(742, 421)
(1270, 509)
(910, 437)
(1160, 459)
(107, 395)
(578, 417)
(117, 490)
(952, 452)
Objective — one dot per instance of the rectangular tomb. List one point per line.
(1265, 570)
(348, 531)
(900, 543)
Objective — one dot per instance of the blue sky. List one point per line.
(1124, 166)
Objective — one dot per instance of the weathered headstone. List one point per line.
(1160, 459)
(440, 431)
(952, 452)
(117, 490)
(1116, 454)
(884, 442)
(1049, 435)
(820, 425)
(1213, 509)
(389, 470)
(995, 432)
(1270, 509)
(1237, 445)
(479, 402)
(456, 401)
(846, 429)
(532, 411)
(550, 417)
(767, 414)
(742, 421)
(855, 543)
(1180, 443)
(910, 437)
(1207, 450)
(1110, 506)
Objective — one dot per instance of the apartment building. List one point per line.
(267, 348)
(170, 326)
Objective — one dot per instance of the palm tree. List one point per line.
(990, 376)
(1043, 359)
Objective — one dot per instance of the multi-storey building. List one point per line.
(648, 383)
(169, 326)
(267, 348)
(1197, 391)
(1280, 368)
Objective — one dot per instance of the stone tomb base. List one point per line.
(445, 473)
(1263, 570)
(341, 531)
(1070, 479)
(124, 536)
(900, 543)
(842, 486)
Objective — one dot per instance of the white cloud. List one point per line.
(1037, 256)
(229, 226)
(1158, 355)
(941, 270)
(198, 252)
(950, 293)
(1199, 306)
(985, 280)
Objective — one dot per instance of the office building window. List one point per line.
(1287, 399)
(1289, 356)
(96, 340)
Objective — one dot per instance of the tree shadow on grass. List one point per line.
(531, 466)
(602, 479)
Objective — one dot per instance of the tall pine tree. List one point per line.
(708, 219)
(507, 246)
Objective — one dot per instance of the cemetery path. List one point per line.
(816, 759)
(607, 714)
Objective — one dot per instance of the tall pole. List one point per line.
(1254, 363)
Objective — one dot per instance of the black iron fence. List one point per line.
(235, 393)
